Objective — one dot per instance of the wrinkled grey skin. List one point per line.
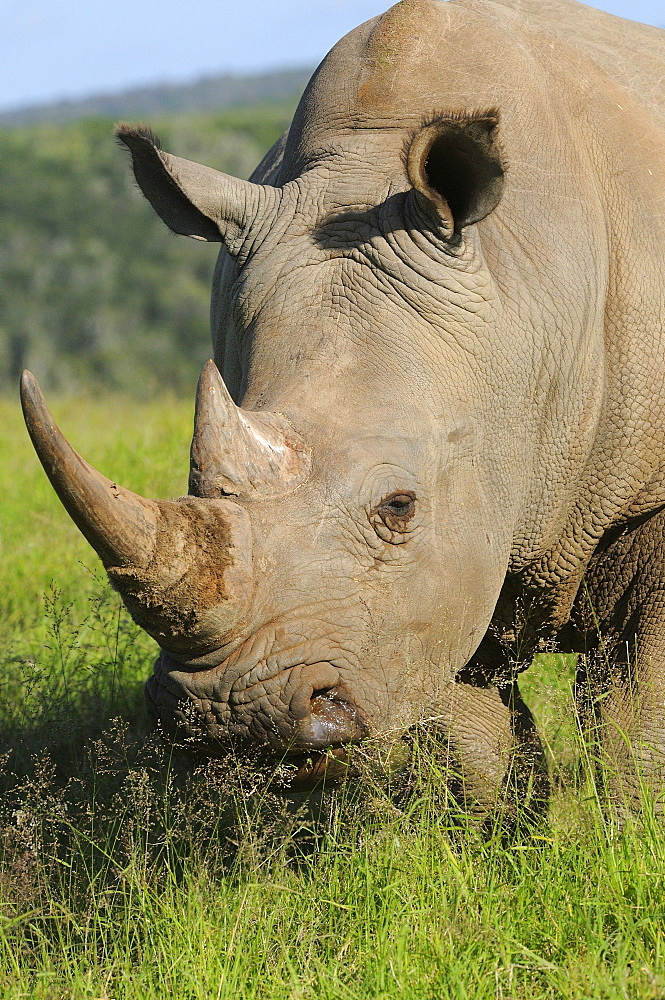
(505, 373)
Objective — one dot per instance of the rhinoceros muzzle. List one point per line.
(304, 709)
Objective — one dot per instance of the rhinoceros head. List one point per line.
(339, 557)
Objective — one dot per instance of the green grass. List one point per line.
(126, 875)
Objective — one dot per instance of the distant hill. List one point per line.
(208, 94)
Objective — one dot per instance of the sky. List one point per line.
(54, 49)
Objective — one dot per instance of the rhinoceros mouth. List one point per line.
(301, 729)
(290, 768)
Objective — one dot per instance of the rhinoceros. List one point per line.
(432, 437)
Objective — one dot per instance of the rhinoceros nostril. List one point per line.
(331, 721)
(326, 692)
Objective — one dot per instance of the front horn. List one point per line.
(120, 526)
(182, 567)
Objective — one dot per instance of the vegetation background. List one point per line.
(128, 873)
(95, 292)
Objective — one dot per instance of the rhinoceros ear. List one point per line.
(455, 162)
(193, 199)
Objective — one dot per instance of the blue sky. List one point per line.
(70, 48)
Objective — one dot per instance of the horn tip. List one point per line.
(38, 420)
(27, 380)
(210, 378)
(32, 398)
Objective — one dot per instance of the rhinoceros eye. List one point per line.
(391, 517)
